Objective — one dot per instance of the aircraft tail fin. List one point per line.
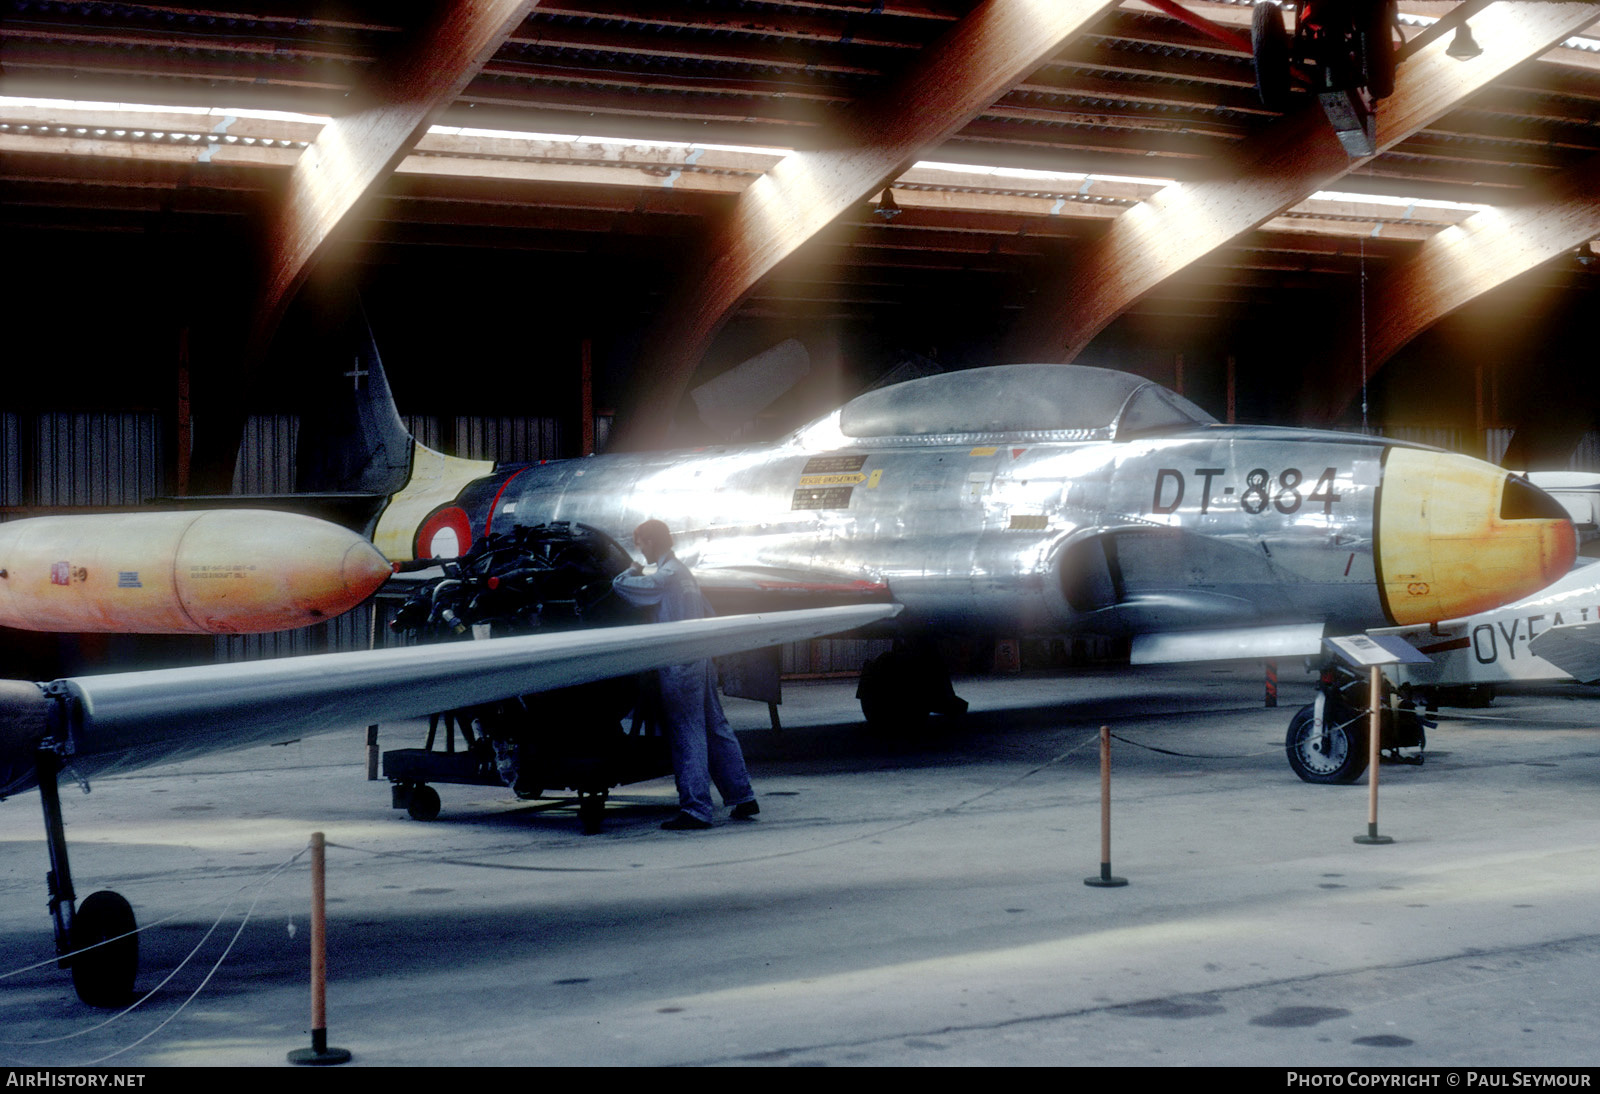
(352, 439)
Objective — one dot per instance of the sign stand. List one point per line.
(1373, 652)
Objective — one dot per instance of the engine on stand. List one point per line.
(529, 580)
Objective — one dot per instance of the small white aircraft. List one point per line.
(1553, 635)
(1550, 636)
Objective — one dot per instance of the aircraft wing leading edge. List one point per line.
(135, 718)
(1232, 643)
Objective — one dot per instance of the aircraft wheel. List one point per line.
(891, 699)
(1269, 55)
(1376, 39)
(889, 716)
(103, 977)
(424, 804)
(1337, 756)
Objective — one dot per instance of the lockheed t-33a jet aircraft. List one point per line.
(1020, 499)
(1030, 499)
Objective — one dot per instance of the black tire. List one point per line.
(103, 976)
(1269, 55)
(1338, 756)
(892, 698)
(1377, 44)
(591, 813)
(424, 804)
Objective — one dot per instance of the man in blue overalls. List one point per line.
(704, 749)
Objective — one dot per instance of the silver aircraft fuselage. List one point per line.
(1049, 499)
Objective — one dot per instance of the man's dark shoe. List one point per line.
(745, 810)
(685, 822)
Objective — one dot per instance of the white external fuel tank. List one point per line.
(218, 571)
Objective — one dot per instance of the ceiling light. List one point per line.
(1463, 47)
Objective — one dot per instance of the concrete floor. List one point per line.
(897, 902)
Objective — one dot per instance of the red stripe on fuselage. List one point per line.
(494, 506)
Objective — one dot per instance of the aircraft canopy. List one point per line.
(1092, 403)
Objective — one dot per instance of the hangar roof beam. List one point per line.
(950, 82)
(1284, 165)
(351, 158)
(1460, 264)
(356, 152)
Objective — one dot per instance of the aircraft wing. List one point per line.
(1228, 643)
(134, 718)
(1574, 648)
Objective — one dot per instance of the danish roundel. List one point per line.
(447, 533)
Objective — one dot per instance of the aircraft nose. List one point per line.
(1456, 536)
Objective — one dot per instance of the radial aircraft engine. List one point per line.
(1045, 500)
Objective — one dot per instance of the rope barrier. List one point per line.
(231, 898)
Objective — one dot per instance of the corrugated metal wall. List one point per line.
(266, 455)
(1587, 455)
(509, 440)
(501, 440)
(1466, 441)
(822, 656)
(350, 631)
(93, 459)
(426, 429)
(1495, 443)
(11, 462)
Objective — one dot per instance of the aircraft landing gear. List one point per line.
(1335, 754)
(1327, 740)
(104, 974)
(1343, 51)
(899, 689)
(1269, 48)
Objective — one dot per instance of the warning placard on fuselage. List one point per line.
(826, 482)
(833, 465)
(822, 497)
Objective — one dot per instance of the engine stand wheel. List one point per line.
(592, 811)
(424, 803)
(104, 975)
(1337, 755)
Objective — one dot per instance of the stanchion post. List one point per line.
(1374, 730)
(319, 1053)
(1104, 880)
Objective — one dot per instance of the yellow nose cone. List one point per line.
(1457, 536)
